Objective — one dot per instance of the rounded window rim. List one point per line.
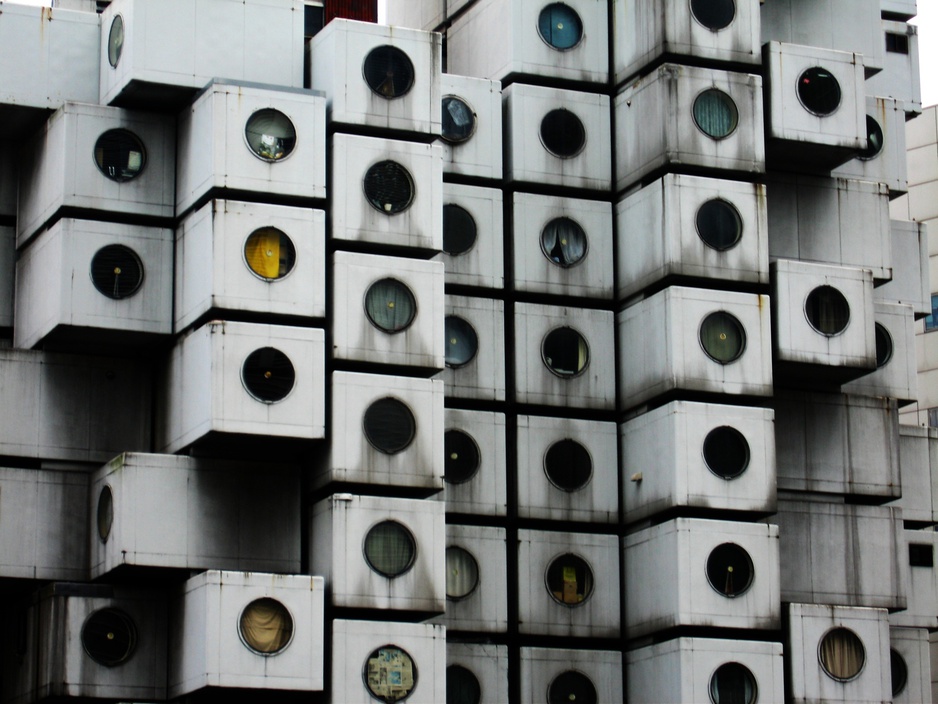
(410, 413)
(752, 678)
(475, 352)
(742, 330)
(412, 296)
(586, 242)
(248, 645)
(127, 620)
(143, 151)
(840, 100)
(752, 570)
(725, 95)
(808, 317)
(411, 562)
(592, 575)
(413, 665)
(137, 259)
(820, 659)
(475, 121)
(257, 398)
(571, 155)
(475, 444)
(410, 179)
(266, 160)
(712, 29)
(413, 71)
(475, 239)
(905, 672)
(703, 454)
(461, 666)
(589, 353)
(537, 28)
(118, 17)
(866, 155)
(739, 219)
(475, 560)
(106, 491)
(890, 346)
(589, 478)
(244, 258)
(570, 670)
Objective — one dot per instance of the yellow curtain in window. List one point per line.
(265, 627)
(263, 253)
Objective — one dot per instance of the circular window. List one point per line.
(715, 114)
(560, 26)
(390, 305)
(570, 687)
(109, 637)
(105, 513)
(883, 346)
(722, 337)
(565, 352)
(563, 242)
(459, 121)
(389, 187)
(388, 71)
(729, 570)
(116, 271)
(268, 374)
(390, 674)
(459, 230)
(266, 626)
(841, 654)
(462, 573)
(827, 310)
(389, 425)
(819, 91)
(270, 134)
(899, 672)
(462, 457)
(734, 683)
(269, 253)
(726, 452)
(390, 549)
(714, 14)
(462, 343)
(719, 224)
(874, 139)
(120, 155)
(462, 687)
(569, 580)
(115, 41)
(562, 133)
(568, 465)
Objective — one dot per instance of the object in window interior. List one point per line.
(730, 570)
(270, 134)
(560, 26)
(461, 457)
(462, 573)
(719, 224)
(268, 374)
(269, 253)
(109, 637)
(116, 271)
(459, 120)
(266, 626)
(565, 352)
(120, 155)
(388, 71)
(569, 580)
(564, 242)
(733, 683)
(722, 337)
(571, 686)
(390, 674)
(389, 187)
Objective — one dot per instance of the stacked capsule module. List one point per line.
(554, 357)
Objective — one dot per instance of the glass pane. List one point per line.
(116, 271)
(390, 674)
(389, 187)
(105, 513)
(570, 687)
(726, 452)
(120, 155)
(841, 654)
(459, 121)
(459, 230)
(931, 321)
(390, 305)
(462, 687)
(266, 626)
(564, 242)
(268, 374)
(827, 310)
(883, 346)
(722, 337)
(389, 425)
(390, 549)
(565, 352)
(269, 253)
(729, 570)
(462, 343)
(462, 573)
(115, 41)
(819, 91)
(270, 134)
(388, 72)
(569, 580)
(899, 672)
(562, 133)
(560, 26)
(719, 224)
(714, 14)
(733, 683)
(715, 113)
(462, 457)
(874, 139)
(109, 637)
(568, 465)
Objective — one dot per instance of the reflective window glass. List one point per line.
(268, 374)
(560, 26)
(462, 343)
(899, 671)
(459, 121)
(715, 113)
(462, 573)
(109, 636)
(120, 155)
(115, 41)
(874, 139)
(389, 187)
(390, 549)
(390, 305)
(105, 513)
(726, 452)
(819, 91)
(389, 425)
(563, 242)
(461, 457)
(883, 346)
(565, 352)
(562, 133)
(733, 683)
(270, 134)
(722, 337)
(116, 271)
(388, 72)
(827, 310)
(462, 687)
(719, 224)
(572, 686)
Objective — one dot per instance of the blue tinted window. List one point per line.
(931, 322)
(560, 26)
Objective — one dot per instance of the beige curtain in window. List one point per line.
(842, 654)
(266, 626)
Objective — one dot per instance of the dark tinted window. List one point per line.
(389, 187)
(819, 91)
(714, 14)
(268, 374)
(719, 224)
(389, 425)
(390, 549)
(729, 569)
(722, 337)
(462, 343)
(565, 352)
(570, 687)
(562, 133)
(462, 458)
(726, 452)
(120, 155)
(388, 71)
(459, 230)
(568, 465)
(827, 310)
(569, 580)
(109, 637)
(116, 271)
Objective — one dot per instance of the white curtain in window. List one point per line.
(390, 305)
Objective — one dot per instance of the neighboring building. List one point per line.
(556, 356)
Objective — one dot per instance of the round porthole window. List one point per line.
(269, 253)
(459, 121)
(564, 242)
(115, 41)
(883, 346)
(899, 671)
(389, 187)
(722, 337)
(120, 155)
(571, 686)
(266, 626)
(389, 425)
(569, 580)
(730, 570)
(390, 305)
(462, 573)
(105, 513)
(565, 352)
(560, 26)
(459, 230)
(719, 224)
(462, 457)
(390, 674)
(726, 452)
(462, 687)
(116, 271)
(109, 637)
(462, 343)
(270, 135)
(388, 71)
(841, 654)
(827, 310)
(268, 374)
(733, 683)
(568, 465)
(562, 133)
(715, 114)
(874, 139)
(714, 14)
(819, 91)
(390, 549)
